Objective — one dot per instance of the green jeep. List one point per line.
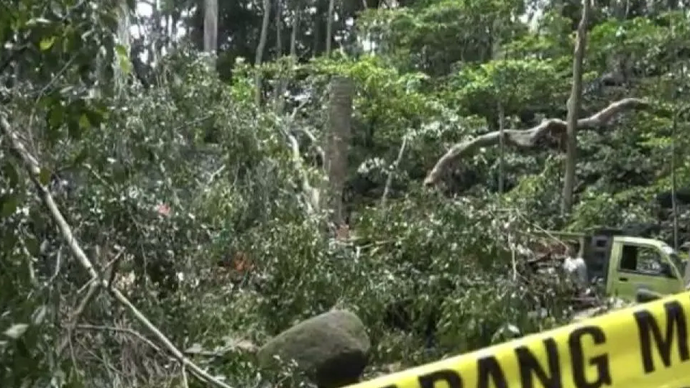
(630, 268)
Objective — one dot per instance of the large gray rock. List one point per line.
(331, 348)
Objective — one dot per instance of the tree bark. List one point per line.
(279, 28)
(260, 51)
(552, 130)
(574, 111)
(279, 90)
(211, 27)
(337, 144)
(280, 101)
(293, 35)
(123, 37)
(501, 137)
(329, 26)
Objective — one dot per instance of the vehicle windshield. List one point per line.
(677, 260)
(680, 263)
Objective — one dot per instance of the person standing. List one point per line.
(575, 266)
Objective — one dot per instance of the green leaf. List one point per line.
(74, 129)
(95, 116)
(123, 59)
(47, 43)
(32, 246)
(39, 315)
(8, 242)
(121, 50)
(55, 116)
(17, 330)
(81, 157)
(84, 122)
(44, 176)
(9, 206)
(9, 171)
(125, 65)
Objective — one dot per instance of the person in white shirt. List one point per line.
(575, 266)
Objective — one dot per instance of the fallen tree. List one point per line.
(548, 131)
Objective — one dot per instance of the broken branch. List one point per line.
(527, 138)
(33, 167)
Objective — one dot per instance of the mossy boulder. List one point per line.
(331, 348)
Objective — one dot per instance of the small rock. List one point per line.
(332, 348)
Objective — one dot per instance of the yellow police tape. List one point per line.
(642, 346)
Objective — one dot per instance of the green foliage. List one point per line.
(515, 84)
(419, 36)
(191, 193)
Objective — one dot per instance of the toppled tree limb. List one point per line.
(528, 138)
(33, 167)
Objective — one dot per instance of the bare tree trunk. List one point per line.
(280, 101)
(158, 36)
(502, 144)
(211, 27)
(260, 51)
(339, 122)
(674, 133)
(329, 26)
(279, 28)
(674, 200)
(293, 35)
(318, 29)
(278, 93)
(574, 110)
(123, 36)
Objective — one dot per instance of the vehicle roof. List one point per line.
(640, 240)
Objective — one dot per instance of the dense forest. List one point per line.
(183, 180)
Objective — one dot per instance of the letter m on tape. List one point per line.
(676, 335)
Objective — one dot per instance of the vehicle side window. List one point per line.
(646, 260)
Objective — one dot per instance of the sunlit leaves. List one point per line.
(47, 43)
(123, 59)
(517, 84)
(442, 33)
(16, 331)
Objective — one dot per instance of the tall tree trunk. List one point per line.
(260, 51)
(329, 26)
(279, 28)
(278, 92)
(501, 162)
(674, 187)
(496, 54)
(123, 37)
(574, 111)
(293, 35)
(211, 27)
(318, 29)
(280, 101)
(337, 144)
(157, 34)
